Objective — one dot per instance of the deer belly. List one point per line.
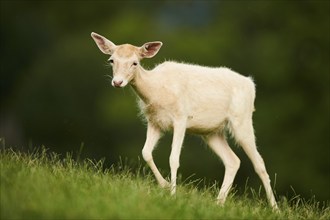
(205, 124)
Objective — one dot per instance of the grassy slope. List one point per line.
(41, 186)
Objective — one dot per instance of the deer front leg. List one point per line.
(153, 135)
(178, 137)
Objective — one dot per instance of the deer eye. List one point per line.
(111, 61)
(135, 63)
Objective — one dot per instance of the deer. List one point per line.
(188, 98)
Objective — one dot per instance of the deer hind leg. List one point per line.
(219, 145)
(153, 135)
(244, 134)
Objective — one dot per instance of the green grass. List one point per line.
(40, 185)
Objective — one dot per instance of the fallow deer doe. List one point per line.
(184, 97)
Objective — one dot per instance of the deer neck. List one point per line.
(142, 85)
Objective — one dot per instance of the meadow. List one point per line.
(45, 185)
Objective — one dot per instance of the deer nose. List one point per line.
(117, 83)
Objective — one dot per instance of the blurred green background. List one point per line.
(55, 92)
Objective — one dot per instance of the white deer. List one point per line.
(184, 97)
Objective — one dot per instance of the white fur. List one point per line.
(184, 97)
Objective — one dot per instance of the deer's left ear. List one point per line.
(150, 49)
(105, 45)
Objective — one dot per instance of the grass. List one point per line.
(41, 185)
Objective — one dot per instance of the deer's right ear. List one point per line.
(106, 46)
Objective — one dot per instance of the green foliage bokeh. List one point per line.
(55, 90)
